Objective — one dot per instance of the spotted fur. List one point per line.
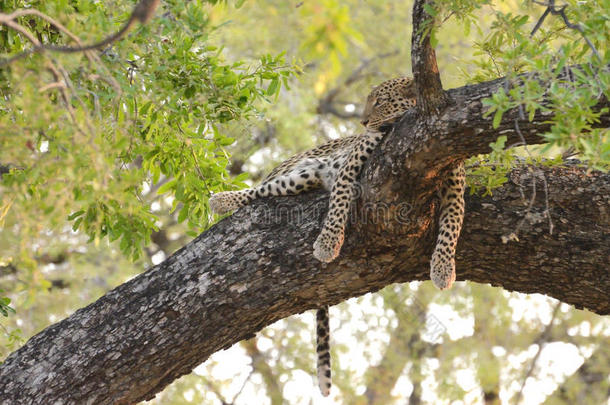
(304, 171)
(442, 265)
(336, 166)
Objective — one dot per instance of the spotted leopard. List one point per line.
(335, 166)
(386, 103)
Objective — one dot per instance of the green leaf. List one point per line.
(273, 87)
(497, 119)
(183, 214)
(75, 214)
(430, 10)
(226, 141)
(167, 186)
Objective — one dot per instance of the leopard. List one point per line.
(384, 105)
(335, 166)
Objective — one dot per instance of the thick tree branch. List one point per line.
(256, 267)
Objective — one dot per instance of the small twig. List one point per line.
(50, 86)
(540, 341)
(570, 152)
(540, 21)
(546, 203)
(55, 23)
(64, 95)
(215, 391)
(198, 169)
(547, 212)
(142, 12)
(447, 17)
(20, 29)
(243, 386)
(187, 144)
(560, 11)
(325, 105)
(55, 70)
(514, 235)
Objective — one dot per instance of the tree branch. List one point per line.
(256, 267)
(577, 387)
(142, 12)
(431, 98)
(561, 11)
(326, 103)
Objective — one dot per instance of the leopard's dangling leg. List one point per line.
(323, 350)
(442, 265)
(328, 244)
(302, 177)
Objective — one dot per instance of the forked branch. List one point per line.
(431, 98)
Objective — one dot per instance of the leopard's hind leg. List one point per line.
(302, 177)
(442, 265)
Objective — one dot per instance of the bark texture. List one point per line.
(431, 97)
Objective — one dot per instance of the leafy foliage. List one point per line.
(151, 113)
(93, 141)
(5, 308)
(485, 175)
(509, 49)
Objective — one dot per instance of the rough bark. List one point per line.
(431, 97)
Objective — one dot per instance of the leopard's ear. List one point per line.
(408, 89)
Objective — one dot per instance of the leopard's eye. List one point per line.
(377, 102)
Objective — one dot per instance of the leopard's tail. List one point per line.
(323, 350)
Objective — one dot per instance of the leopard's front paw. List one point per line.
(442, 270)
(327, 246)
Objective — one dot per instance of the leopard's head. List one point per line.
(388, 102)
